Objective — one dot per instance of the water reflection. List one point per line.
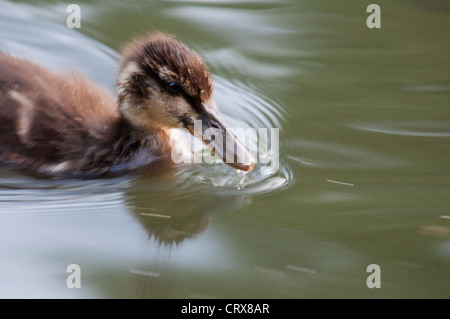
(162, 210)
(171, 219)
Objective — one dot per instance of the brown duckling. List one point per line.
(67, 126)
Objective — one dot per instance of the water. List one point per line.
(364, 158)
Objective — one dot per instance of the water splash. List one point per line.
(241, 179)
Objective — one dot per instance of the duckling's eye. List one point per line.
(174, 87)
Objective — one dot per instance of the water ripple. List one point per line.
(408, 128)
(318, 154)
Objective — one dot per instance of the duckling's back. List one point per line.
(51, 120)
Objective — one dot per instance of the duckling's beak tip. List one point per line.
(243, 167)
(249, 167)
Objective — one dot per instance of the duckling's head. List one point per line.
(163, 84)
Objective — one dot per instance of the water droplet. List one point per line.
(241, 179)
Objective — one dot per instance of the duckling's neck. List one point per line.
(135, 146)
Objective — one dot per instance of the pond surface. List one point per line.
(363, 177)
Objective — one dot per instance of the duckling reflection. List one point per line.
(176, 226)
(172, 218)
(67, 126)
(168, 219)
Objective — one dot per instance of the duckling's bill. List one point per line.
(220, 140)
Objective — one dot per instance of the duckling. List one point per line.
(65, 125)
